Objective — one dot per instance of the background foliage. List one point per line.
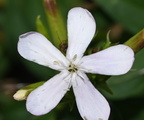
(124, 17)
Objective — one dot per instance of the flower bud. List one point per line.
(24, 92)
(21, 94)
(55, 22)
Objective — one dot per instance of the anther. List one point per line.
(75, 57)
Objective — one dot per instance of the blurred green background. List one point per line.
(123, 17)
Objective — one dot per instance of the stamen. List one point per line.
(100, 119)
(61, 64)
(56, 62)
(72, 68)
(67, 79)
(85, 118)
(75, 57)
(67, 89)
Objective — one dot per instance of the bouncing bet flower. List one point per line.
(115, 60)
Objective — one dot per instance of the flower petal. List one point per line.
(114, 60)
(90, 102)
(81, 29)
(35, 47)
(46, 97)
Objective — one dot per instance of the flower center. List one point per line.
(72, 68)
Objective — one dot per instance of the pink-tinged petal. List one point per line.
(81, 28)
(90, 102)
(43, 99)
(114, 60)
(35, 47)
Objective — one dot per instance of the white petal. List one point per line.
(81, 29)
(90, 102)
(35, 47)
(114, 60)
(46, 97)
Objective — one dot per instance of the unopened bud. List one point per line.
(21, 94)
(57, 26)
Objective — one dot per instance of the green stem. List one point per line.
(136, 42)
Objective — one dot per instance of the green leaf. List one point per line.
(129, 13)
(108, 42)
(4, 63)
(42, 72)
(140, 116)
(41, 27)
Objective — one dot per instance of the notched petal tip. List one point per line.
(90, 15)
(27, 34)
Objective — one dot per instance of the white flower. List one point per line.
(91, 104)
